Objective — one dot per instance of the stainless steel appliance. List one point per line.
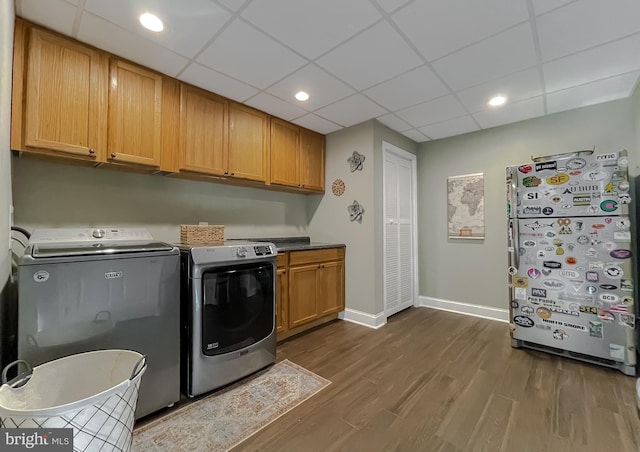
(571, 274)
(90, 289)
(228, 313)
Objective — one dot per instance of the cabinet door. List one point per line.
(135, 102)
(204, 121)
(311, 160)
(285, 163)
(248, 138)
(331, 288)
(282, 300)
(66, 96)
(303, 295)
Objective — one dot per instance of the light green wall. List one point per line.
(475, 271)
(50, 194)
(6, 52)
(329, 219)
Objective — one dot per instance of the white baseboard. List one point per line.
(475, 310)
(363, 318)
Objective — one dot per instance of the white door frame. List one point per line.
(388, 148)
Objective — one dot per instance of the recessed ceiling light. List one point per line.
(302, 96)
(151, 22)
(497, 101)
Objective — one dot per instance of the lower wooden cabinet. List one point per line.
(315, 282)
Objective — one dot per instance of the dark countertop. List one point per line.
(284, 244)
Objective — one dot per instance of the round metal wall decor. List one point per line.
(338, 187)
(356, 161)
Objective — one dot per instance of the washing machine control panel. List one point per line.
(80, 235)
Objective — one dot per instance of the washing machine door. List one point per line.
(238, 307)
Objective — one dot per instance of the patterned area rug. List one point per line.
(224, 419)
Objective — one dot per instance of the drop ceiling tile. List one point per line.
(350, 111)
(593, 93)
(375, 55)
(104, 35)
(439, 27)
(276, 107)
(233, 5)
(543, 6)
(317, 123)
(216, 82)
(604, 61)
(323, 88)
(415, 135)
(311, 27)
(438, 110)
(393, 122)
(584, 24)
(58, 15)
(250, 56)
(519, 86)
(456, 126)
(511, 112)
(391, 5)
(414, 87)
(506, 53)
(186, 31)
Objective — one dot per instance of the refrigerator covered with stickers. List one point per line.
(571, 265)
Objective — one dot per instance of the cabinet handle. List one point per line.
(226, 173)
(91, 152)
(113, 155)
(233, 174)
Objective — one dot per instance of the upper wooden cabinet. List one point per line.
(297, 156)
(59, 96)
(248, 142)
(220, 137)
(73, 101)
(204, 119)
(135, 107)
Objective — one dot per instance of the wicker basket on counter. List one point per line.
(193, 234)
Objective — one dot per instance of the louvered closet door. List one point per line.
(399, 223)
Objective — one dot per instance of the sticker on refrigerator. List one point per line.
(547, 211)
(594, 176)
(560, 334)
(524, 321)
(531, 181)
(613, 272)
(583, 199)
(546, 166)
(520, 293)
(609, 297)
(628, 320)
(588, 310)
(573, 326)
(520, 281)
(616, 351)
(624, 198)
(591, 276)
(554, 284)
(623, 161)
(552, 264)
(606, 316)
(576, 163)
(527, 310)
(543, 313)
(534, 273)
(532, 210)
(558, 179)
(569, 274)
(620, 254)
(623, 185)
(626, 284)
(524, 169)
(595, 329)
(609, 205)
(534, 226)
(609, 156)
(622, 236)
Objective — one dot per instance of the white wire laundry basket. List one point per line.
(95, 393)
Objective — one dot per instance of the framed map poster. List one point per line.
(465, 206)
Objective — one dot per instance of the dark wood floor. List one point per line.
(436, 381)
